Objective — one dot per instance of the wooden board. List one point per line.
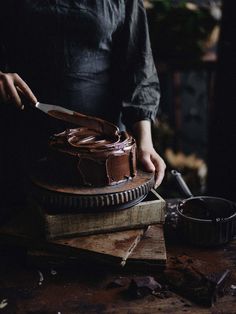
(32, 222)
(109, 248)
(141, 215)
(116, 246)
(150, 253)
(27, 228)
(137, 250)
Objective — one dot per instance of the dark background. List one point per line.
(196, 116)
(222, 140)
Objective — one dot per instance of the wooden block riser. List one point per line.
(139, 216)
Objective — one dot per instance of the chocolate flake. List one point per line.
(142, 286)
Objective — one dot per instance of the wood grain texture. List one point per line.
(150, 251)
(141, 250)
(141, 215)
(116, 245)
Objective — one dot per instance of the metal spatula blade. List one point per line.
(47, 108)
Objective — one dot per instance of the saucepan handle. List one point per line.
(182, 184)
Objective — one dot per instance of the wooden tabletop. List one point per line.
(36, 286)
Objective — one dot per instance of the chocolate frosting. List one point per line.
(97, 153)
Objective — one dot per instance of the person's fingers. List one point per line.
(11, 90)
(160, 169)
(151, 162)
(12, 86)
(24, 88)
(147, 164)
(159, 176)
(3, 94)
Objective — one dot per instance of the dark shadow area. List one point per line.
(222, 153)
(194, 49)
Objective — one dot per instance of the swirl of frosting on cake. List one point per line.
(90, 141)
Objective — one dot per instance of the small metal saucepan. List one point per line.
(205, 220)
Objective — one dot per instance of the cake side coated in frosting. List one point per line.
(93, 157)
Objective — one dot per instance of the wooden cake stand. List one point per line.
(65, 196)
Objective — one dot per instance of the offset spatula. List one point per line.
(58, 112)
(53, 110)
(78, 119)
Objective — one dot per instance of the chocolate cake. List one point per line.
(95, 154)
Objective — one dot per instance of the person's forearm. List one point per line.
(142, 133)
(147, 156)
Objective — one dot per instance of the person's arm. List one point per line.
(150, 160)
(139, 84)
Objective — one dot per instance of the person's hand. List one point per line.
(149, 159)
(12, 87)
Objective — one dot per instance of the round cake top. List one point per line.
(90, 142)
(92, 135)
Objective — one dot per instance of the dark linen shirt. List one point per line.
(92, 56)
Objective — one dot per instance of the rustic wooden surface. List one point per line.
(118, 245)
(33, 222)
(138, 216)
(133, 250)
(31, 288)
(150, 252)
